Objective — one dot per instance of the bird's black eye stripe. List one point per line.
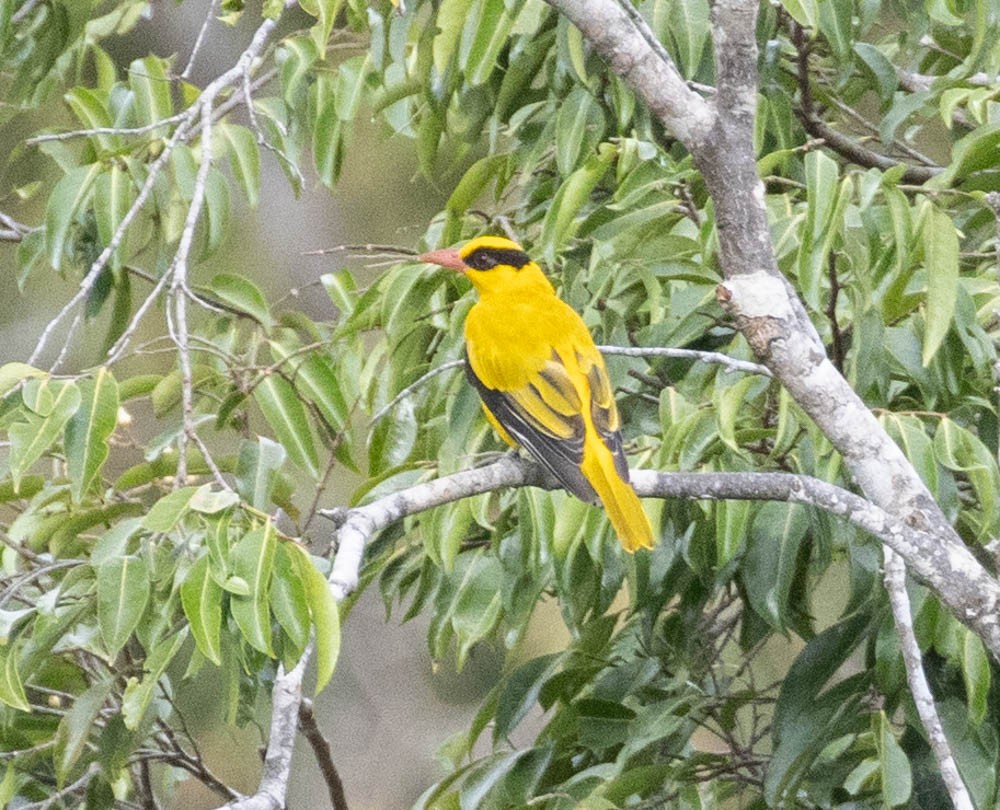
(488, 258)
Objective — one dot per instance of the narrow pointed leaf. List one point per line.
(122, 594)
(286, 414)
(88, 430)
(252, 559)
(201, 598)
(325, 616)
(941, 260)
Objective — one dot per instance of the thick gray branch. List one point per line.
(945, 566)
(766, 308)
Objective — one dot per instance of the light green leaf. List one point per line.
(804, 12)
(325, 616)
(977, 676)
(897, 780)
(11, 688)
(30, 438)
(167, 511)
(486, 33)
(474, 182)
(286, 414)
(244, 159)
(201, 598)
(560, 223)
(579, 128)
(122, 594)
(451, 18)
(940, 241)
(210, 501)
(256, 469)
(12, 373)
(114, 194)
(288, 599)
(88, 430)
(349, 87)
(76, 726)
(252, 559)
(244, 295)
(216, 211)
(67, 200)
(151, 83)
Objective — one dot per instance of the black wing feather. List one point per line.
(560, 456)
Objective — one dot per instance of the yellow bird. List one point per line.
(543, 383)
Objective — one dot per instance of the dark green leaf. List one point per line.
(122, 594)
(89, 429)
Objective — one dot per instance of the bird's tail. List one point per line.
(619, 499)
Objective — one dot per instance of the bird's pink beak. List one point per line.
(446, 257)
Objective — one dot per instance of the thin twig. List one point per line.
(209, 16)
(323, 754)
(731, 363)
(923, 699)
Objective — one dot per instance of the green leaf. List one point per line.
(201, 598)
(76, 726)
(688, 26)
(256, 468)
(244, 295)
(210, 501)
(67, 200)
(13, 373)
(167, 511)
(451, 18)
(484, 36)
(560, 223)
(252, 559)
(768, 570)
(288, 600)
(325, 616)
(286, 414)
(475, 181)
(940, 241)
(151, 83)
(139, 694)
(114, 194)
(835, 24)
(349, 87)
(804, 12)
(977, 676)
(897, 780)
(824, 206)
(244, 159)
(216, 211)
(34, 436)
(122, 594)
(88, 430)
(579, 129)
(11, 688)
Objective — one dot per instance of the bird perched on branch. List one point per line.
(543, 383)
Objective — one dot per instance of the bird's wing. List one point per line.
(544, 415)
(603, 411)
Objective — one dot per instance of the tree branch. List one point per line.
(923, 699)
(948, 568)
(321, 750)
(766, 308)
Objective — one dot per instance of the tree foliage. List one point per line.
(134, 558)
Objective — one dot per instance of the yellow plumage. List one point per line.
(542, 380)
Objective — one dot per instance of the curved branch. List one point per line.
(948, 568)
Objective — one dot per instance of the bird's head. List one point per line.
(491, 263)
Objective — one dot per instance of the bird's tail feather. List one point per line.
(620, 501)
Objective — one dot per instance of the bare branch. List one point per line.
(923, 699)
(286, 697)
(324, 757)
(731, 363)
(196, 48)
(945, 565)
